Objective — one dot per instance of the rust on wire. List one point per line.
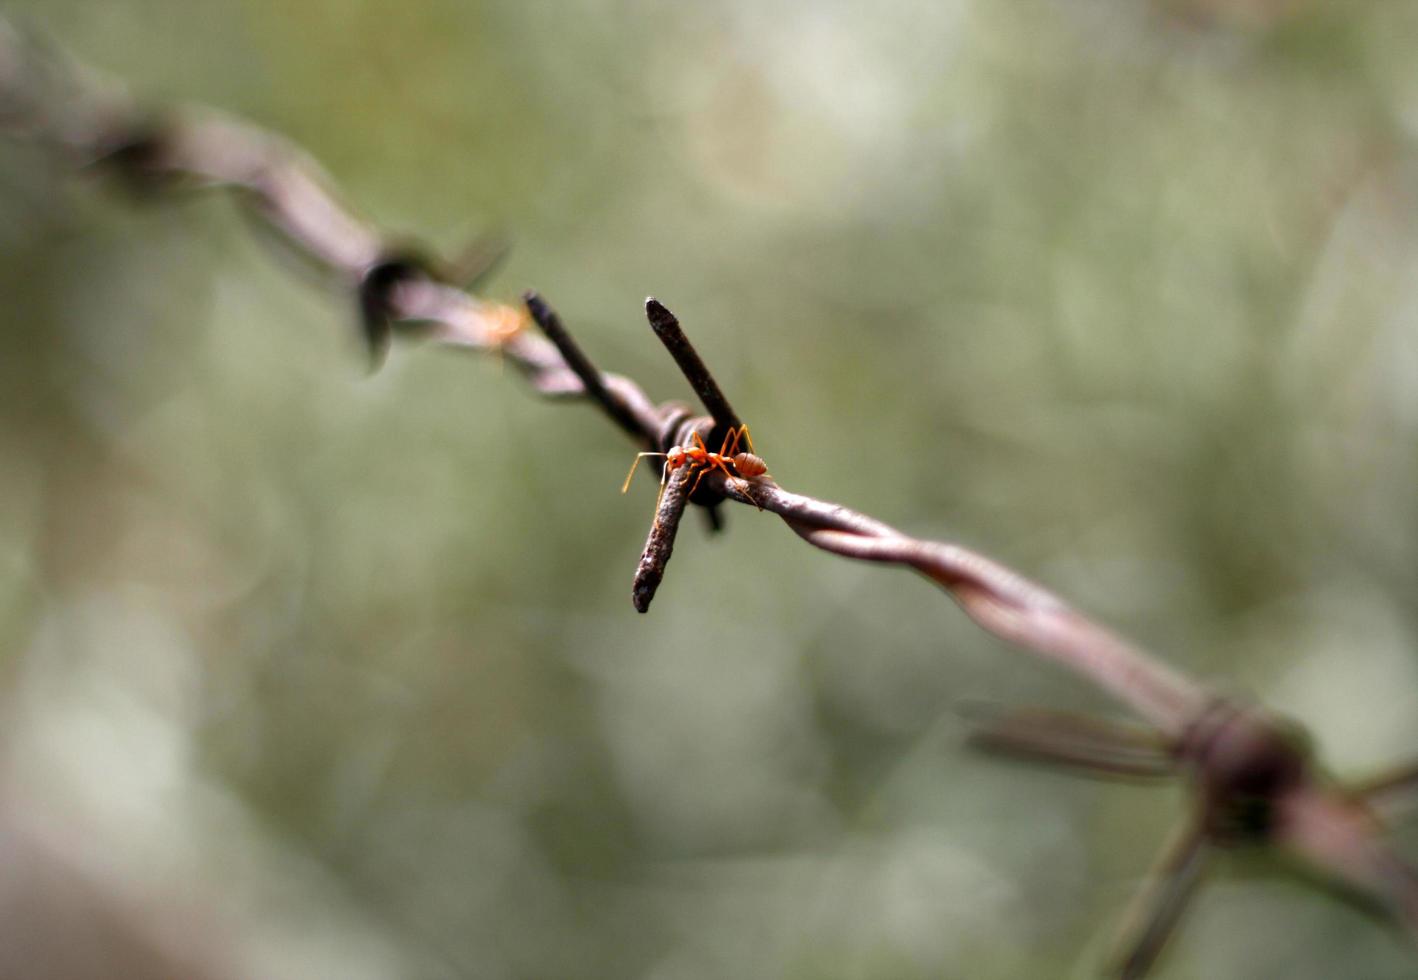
(660, 543)
(1253, 781)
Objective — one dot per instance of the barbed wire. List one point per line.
(1253, 776)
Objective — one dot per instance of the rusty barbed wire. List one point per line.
(1253, 777)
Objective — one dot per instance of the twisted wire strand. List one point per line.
(88, 122)
(288, 191)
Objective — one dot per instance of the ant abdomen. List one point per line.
(748, 465)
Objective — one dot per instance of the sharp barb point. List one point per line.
(660, 318)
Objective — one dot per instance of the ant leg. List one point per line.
(737, 481)
(741, 434)
(731, 443)
(631, 475)
(703, 468)
(745, 489)
(742, 486)
(659, 497)
(664, 482)
(747, 439)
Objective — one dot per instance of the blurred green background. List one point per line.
(308, 674)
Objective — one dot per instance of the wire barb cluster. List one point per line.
(1253, 781)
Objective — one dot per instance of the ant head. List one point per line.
(676, 456)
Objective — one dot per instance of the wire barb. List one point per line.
(1088, 745)
(478, 261)
(1253, 784)
(660, 544)
(1390, 792)
(666, 327)
(1157, 909)
(576, 359)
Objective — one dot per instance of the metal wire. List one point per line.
(1241, 761)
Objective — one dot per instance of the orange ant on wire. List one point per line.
(739, 467)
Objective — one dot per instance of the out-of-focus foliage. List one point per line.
(312, 675)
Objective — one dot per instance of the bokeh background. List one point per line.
(312, 674)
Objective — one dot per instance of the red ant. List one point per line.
(745, 465)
